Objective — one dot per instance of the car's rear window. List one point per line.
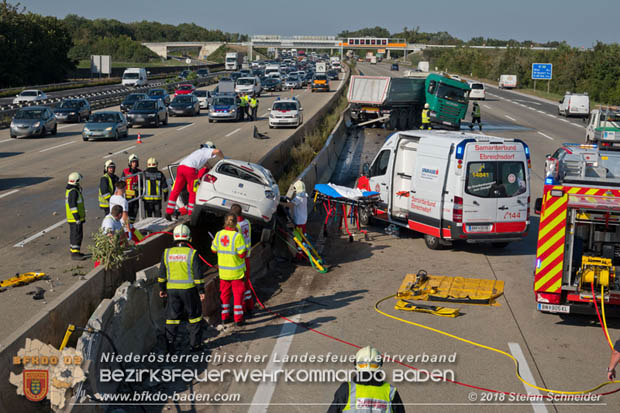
(477, 86)
(236, 172)
(29, 93)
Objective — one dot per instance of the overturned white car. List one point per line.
(237, 182)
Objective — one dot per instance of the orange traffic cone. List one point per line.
(139, 138)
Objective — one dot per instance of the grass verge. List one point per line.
(303, 153)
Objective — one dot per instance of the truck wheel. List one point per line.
(431, 242)
(364, 216)
(393, 122)
(402, 120)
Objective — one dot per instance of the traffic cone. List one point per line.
(139, 138)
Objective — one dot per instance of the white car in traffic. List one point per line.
(237, 182)
(477, 91)
(30, 95)
(286, 112)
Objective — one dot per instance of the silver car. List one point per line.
(33, 121)
(292, 82)
(30, 95)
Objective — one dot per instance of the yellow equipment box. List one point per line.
(426, 287)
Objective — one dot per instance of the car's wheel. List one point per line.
(157, 122)
(55, 130)
(270, 126)
(196, 220)
(116, 136)
(210, 120)
(85, 139)
(43, 132)
(431, 242)
(79, 118)
(499, 245)
(13, 136)
(166, 120)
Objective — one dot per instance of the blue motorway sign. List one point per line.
(542, 71)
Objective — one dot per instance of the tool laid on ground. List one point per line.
(21, 279)
(424, 287)
(407, 305)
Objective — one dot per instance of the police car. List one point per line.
(286, 112)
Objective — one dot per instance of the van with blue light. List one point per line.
(453, 186)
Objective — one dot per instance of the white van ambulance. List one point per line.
(453, 186)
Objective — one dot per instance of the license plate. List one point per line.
(479, 228)
(554, 308)
(609, 135)
(139, 118)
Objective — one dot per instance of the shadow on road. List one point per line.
(11, 183)
(9, 154)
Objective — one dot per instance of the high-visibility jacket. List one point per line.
(155, 185)
(370, 399)
(132, 183)
(230, 248)
(476, 111)
(243, 101)
(106, 189)
(253, 102)
(245, 229)
(179, 263)
(74, 204)
(425, 116)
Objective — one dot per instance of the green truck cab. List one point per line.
(448, 100)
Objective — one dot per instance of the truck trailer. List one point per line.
(578, 247)
(399, 102)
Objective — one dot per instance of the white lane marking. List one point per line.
(121, 151)
(546, 136)
(511, 118)
(6, 140)
(488, 107)
(526, 373)
(530, 108)
(57, 146)
(264, 392)
(540, 111)
(9, 193)
(266, 113)
(38, 234)
(550, 115)
(186, 126)
(529, 101)
(64, 127)
(233, 132)
(564, 120)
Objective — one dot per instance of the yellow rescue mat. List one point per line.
(407, 305)
(22, 279)
(424, 287)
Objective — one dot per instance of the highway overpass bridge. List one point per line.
(310, 42)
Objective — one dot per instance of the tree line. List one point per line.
(595, 71)
(38, 49)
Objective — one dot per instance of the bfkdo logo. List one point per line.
(36, 384)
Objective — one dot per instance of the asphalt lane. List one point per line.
(33, 177)
(560, 353)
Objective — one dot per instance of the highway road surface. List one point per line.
(561, 353)
(33, 174)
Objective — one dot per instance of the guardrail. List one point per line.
(102, 98)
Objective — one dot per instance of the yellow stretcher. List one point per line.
(22, 279)
(424, 287)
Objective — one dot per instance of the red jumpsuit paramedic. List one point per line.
(187, 173)
(245, 229)
(230, 248)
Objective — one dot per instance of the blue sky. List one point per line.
(580, 23)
